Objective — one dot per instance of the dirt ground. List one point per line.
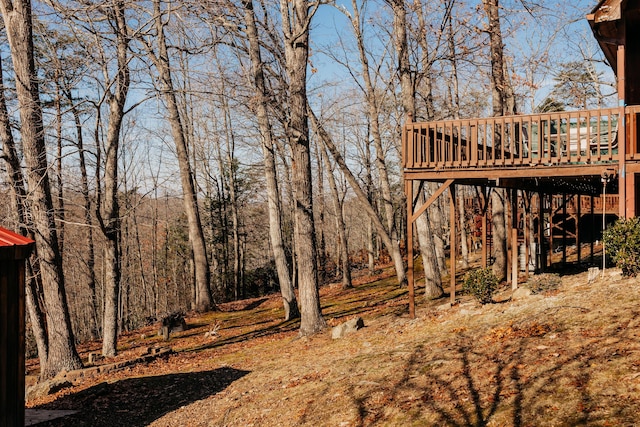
(563, 358)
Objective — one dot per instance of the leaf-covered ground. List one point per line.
(567, 357)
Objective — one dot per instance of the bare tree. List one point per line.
(18, 23)
(341, 228)
(19, 207)
(273, 198)
(353, 182)
(433, 281)
(89, 256)
(107, 202)
(373, 111)
(296, 20)
(503, 102)
(455, 108)
(160, 58)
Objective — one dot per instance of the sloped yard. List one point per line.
(567, 357)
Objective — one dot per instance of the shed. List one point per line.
(14, 249)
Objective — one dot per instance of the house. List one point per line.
(578, 153)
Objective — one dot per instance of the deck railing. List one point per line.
(611, 204)
(558, 203)
(587, 204)
(576, 137)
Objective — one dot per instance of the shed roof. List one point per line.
(9, 238)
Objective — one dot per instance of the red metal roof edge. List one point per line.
(9, 238)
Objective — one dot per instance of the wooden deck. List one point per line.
(566, 153)
(590, 153)
(553, 152)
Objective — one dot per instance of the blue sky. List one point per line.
(560, 28)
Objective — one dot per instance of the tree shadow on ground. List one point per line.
(516, 382)
(385, 299)
(250, 305)
(136, 402)
(273, 329)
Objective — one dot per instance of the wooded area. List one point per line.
(174, 155)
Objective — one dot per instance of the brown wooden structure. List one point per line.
(588, 153)
(14, 249)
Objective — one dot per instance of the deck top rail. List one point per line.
(576, 137)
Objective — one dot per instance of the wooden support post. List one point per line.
(452, 241)
(543, 250)
(508, 210)
(564, 230)
(526, 202)
(410, 276)
(514, 239)
(551, 229)
(622, 135)
(485, 209)
(593, 231)
(578, 236)
(631, 195)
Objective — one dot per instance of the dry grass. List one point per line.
(571, 357)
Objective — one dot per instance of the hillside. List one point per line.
(566, 357)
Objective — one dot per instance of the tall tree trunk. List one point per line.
(433, 281)
(499, 232)
(18, 24)
(455, 105)
(340, 225)
(371, 265)
(229, 177)
(437, 221)
(296, 21)
(289, 301)
(502, 104)
(426, 61)
(235, 221)
(357, 189)
(18, 199)
(60, 209)
(373, 112)
(90, 259)
(108, 209)
(223, 221)
(371, 250)
(320, 207)
(432, 274)
(110, 224)
(204, 299)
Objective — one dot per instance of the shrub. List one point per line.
(481, 283)
(622, 244)
(544, 282)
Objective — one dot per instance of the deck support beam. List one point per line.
(430, 201)
(631, 195)
(526, 203)
(622, 137)
(578, 234)
(485, 222)
(408, 189)
(514, 239)
(593, 230)
(564, 230)
(541, 238)
(452, 242)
